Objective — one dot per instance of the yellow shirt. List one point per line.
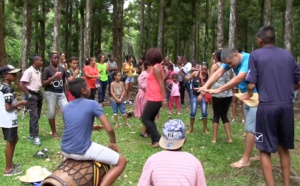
(128, 70)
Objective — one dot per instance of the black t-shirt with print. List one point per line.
(57, 85)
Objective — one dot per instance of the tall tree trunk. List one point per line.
(57, 22)
(26, 34)
(267, 12)
(142, 44)
(68, 28)
(42, 30)
(81, 35)
(3, 58)
(232, 24)
(160, 40)
(288, 25)
(206, 30)
(118, 30)
(148, 25)
(220, 33)
(193, 30)
(87, 30)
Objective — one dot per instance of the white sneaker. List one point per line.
(129, 102)
(37, 141)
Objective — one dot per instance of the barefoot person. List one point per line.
(198, 80)
(78, 116)
(274, 72)
(54, 81)
(231, 58)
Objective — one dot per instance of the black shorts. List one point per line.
(274, 127)
(10, 134)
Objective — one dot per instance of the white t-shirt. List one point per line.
(8, 119)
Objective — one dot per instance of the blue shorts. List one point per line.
(116, 106)
(129, 79)
(250, 114)
(275, 126)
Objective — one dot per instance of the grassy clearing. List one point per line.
(215, 158)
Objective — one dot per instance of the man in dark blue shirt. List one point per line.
(274, 72)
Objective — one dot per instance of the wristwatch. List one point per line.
(28, 97)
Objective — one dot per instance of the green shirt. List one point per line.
(102, 68)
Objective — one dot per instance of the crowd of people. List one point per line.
(161, 84)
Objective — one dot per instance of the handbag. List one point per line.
(207, 96)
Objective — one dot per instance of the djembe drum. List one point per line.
(77, 173)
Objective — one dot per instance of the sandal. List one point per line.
(40, 155)
(46, 151)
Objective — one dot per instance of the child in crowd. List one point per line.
(173, 87)
(117, 90)
(73, 72)
(9, 117)
(168, 78)
(140, 100)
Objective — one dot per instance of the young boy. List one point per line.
(78, 116)
(72, 73)
(31, 85)
(9, 117)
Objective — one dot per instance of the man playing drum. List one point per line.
(78, 116)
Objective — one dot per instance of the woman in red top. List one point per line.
(91, 75)
(155, 93)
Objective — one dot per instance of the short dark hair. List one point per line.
(115, 73)
(154, 56)
(267, 34)
(76, 85)
(127, 57)
(73, 58)
(34, 58)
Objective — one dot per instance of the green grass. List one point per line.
(215, 158)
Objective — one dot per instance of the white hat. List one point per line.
(35, 174)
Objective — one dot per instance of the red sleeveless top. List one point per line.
(153, 91)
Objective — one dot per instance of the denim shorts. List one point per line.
(98, 153)
(129, 79)
(116, 106)
(250, 115)
(53, 98)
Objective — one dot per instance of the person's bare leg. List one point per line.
(204, 121)
(129, 90)
(116, 120)
(215, 126)
(228, 132)
(234, 105)
(285, 162)
(114, 172)
(192, 121)
(245, 160)
(126, 91)
(266, 165)
(53, 128)
(9, 154)
(144, 131)
(242, 113)
(125, 120)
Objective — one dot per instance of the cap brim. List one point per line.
(170, 144)
(16, 70)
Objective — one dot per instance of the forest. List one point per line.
(193, 28)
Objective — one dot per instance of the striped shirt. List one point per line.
(176, 168)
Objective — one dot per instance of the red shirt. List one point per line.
(92, 71)
(153, 92)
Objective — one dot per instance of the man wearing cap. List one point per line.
(9, 117)
(54, 81)
(187, 169)
(31, 85)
